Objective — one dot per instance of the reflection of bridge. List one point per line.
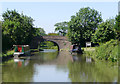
(58, 58)
(61, 41)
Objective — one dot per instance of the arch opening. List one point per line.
(48, 44)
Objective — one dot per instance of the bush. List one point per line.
(53, 34)
(107, 51)
(105, 32)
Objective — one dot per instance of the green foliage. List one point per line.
(83, 25)
(16, 29)
(62, 28)
(105, 32)
(117, 26)
(6, 42)
(40, 32)
(107, 51)
(0, 24)
(47, 45)
(53, 34)
(64, 43)
(7, 53)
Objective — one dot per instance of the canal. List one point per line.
(54, 66)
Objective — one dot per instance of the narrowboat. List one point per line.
(21, 50)
(76, 49)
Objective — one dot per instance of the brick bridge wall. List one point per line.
(62, 41)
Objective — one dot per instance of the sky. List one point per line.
(47, 14)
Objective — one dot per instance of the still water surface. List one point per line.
(54, 66)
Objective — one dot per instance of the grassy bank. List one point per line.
(106, 51)
(7, 53)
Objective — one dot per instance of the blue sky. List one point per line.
(46, 14)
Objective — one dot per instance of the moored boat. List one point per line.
(76, 49)
(21, 50)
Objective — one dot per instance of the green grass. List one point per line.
(7, 53)
(106, 51)
(88, 48)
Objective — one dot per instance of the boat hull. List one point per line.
(22, 53)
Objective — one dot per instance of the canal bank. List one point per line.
(6, 56)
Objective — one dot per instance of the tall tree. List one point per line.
(18, 27)
(105, 32)
(40, 32)
(62, 28)
(117, 26)
(83, 25)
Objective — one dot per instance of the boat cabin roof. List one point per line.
(22, 45)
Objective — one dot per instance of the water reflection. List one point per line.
(48, 50)
(54, 66)
(81, 58)
(84, 69)
(21, 61)
(21, 70)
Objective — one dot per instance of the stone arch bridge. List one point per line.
(61, 41)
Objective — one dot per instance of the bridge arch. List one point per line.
(61, 41)
(53, 43)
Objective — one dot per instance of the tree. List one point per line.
(83, 25)
(18, 27)
(117, 26)
(39, 32)
(62, 28)
(0, 24)
(105, 32)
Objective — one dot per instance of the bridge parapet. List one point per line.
(55, 37)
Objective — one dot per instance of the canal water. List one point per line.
(54, 66)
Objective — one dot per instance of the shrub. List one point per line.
(107, 51)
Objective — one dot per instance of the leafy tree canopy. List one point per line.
(40, 32)
(18, 27)
(105, 32)
(83, 25)
(62, 28)
(117, 26)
